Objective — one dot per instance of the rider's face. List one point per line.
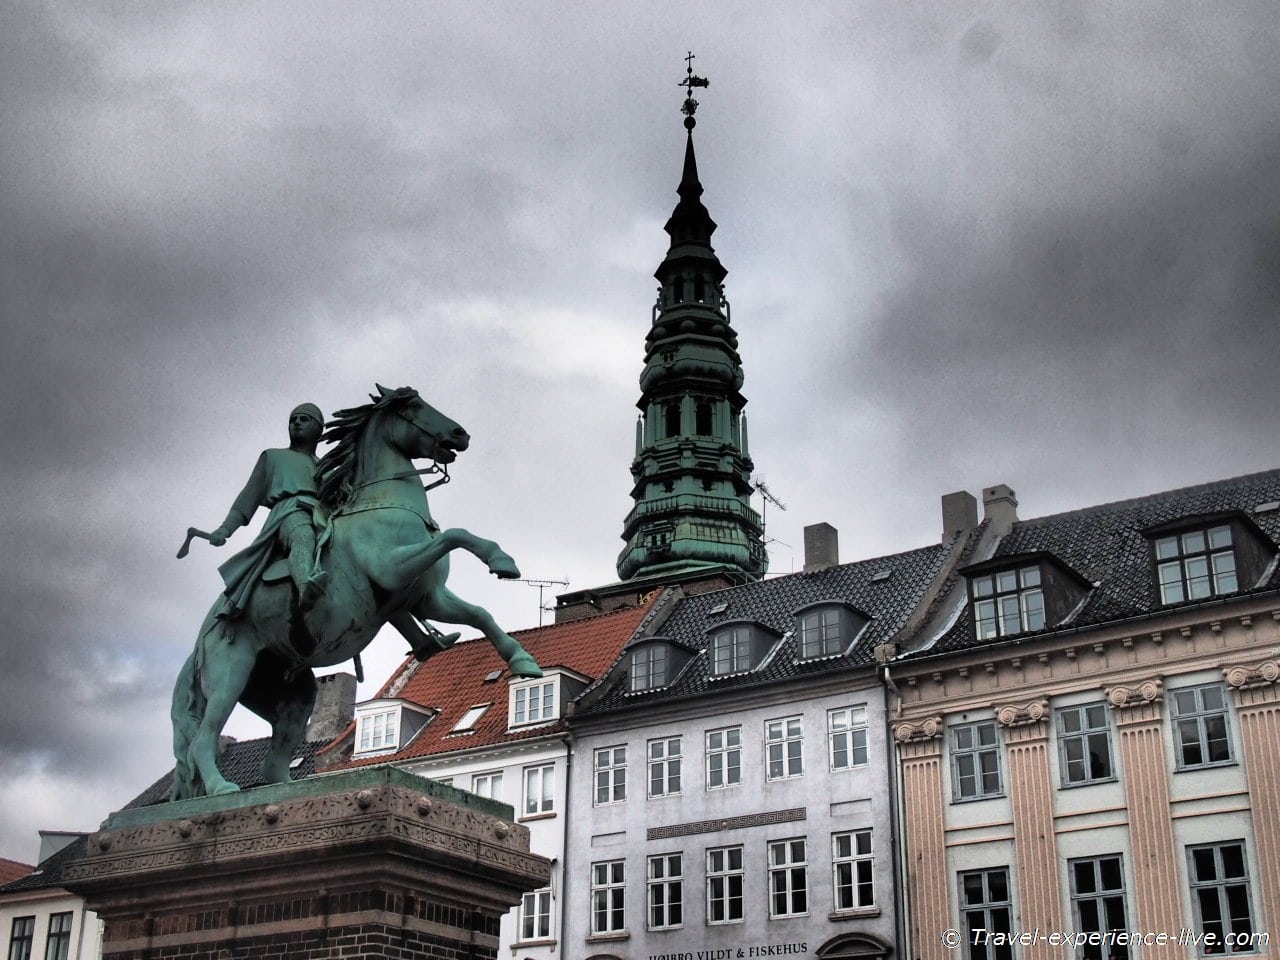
(304, 428)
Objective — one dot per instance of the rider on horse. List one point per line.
(284, 481)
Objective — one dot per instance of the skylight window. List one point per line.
(470, 718)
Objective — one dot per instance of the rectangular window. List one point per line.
(1196, 564)
(666, 891)
(820, 634)
(469, 719)
(724, 884)
(608, 896)
(611, 775)
(784, 743)
(985, 905)
(487, 785)
(649, 668)
(1200, 726)
(853, 870)
(1084, 744)
(724, 757)
(731, 651)
(1097, 903)
(664, 767)
(535, 915)
(847, 733)
(21, 936)
(975, 761)
(379, 731)
(58, 945)
(788, 878)
(539, 789)
(1219, 875)
(1008, 602)
(533, 703)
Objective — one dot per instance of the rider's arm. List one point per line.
(250, 498)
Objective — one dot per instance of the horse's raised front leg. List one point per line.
(418, 556)
(224, 671)
(444, 604)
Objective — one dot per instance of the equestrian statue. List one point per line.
(348, 545)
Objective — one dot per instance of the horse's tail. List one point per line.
(186, 713)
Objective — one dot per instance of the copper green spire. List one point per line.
(692, 469)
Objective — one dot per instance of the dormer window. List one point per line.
(386, 725)
(827, 629)
(739, 647)
(654, 663)
(534, 702)
(1196, 564)
(1007, 602)
(379, 731)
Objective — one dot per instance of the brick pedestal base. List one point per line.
(370, 863)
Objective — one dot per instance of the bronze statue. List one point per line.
(386, 561)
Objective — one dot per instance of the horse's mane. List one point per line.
(336, 470)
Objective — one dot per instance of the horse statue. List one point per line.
(387, 562)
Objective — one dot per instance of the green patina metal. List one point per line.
(692, 468)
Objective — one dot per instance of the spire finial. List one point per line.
(689, 82)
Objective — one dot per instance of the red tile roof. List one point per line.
(454, 681)
(11, 870)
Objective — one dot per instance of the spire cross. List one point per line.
(689, 82)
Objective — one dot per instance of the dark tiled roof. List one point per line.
(454, 681)
(49, 872)
(1105, 545)
(240, 762)
(889, 601)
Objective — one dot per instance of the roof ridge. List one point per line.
(1115, 505)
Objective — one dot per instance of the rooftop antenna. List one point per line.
(767, 496)
(542, 586)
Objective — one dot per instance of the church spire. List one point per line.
(692, 470)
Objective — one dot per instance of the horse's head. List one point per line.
(426, 432)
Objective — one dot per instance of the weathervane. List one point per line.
(689, 82)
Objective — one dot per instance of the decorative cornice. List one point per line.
(1264, 674)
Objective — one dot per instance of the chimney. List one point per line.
(821, 547)
(335, 706)
(1000, 507)
(959, 513)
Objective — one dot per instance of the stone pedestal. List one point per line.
(365, 863)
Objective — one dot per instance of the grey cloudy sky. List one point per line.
(967, 242)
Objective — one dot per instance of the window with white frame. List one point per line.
(608, 896)
(379, 731)
(784, 746)
(535, 915)
(847, 735)
(467, 722)
(611, 775)
(1219, 875)
(533, 703)
(649, 668)
(1097, 903)
(666, 891)
(1195, 564)
(985, 905)
(820, 633)
(487, 785)
(853, 870)
(1007, 602)
(731, 651)
(975, 761)
(1084, 744)
(664, 767)
(539, 789)
(1200, 730)
(58, 944)
(788, 878)
(21, 936)
(724, 885)
(724, 757)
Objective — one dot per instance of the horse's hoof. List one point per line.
(226, 786)
(503, 567)
(523, 665)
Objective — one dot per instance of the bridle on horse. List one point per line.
(436, 466)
